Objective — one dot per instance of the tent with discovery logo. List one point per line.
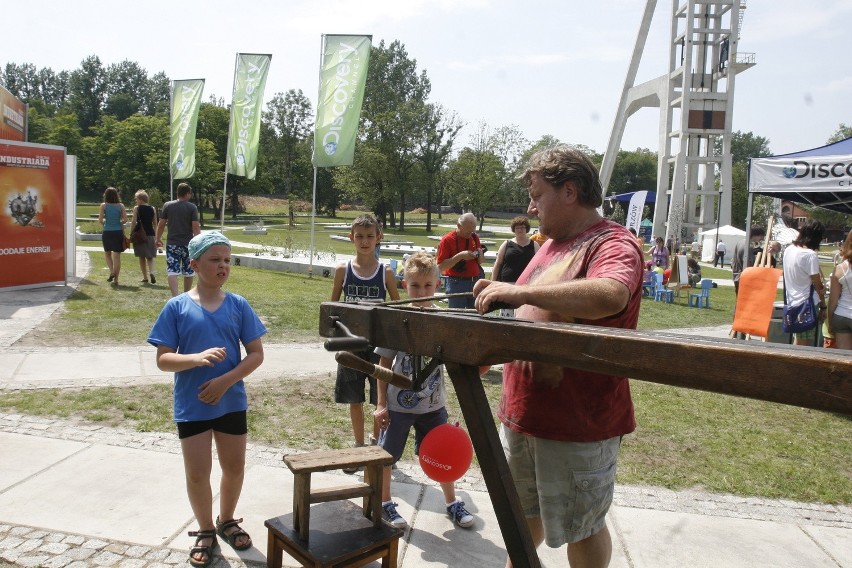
(820, 176)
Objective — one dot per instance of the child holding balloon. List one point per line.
(399, 410)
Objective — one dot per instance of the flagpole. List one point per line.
(171, 150)
(314, 191)
(228, 147)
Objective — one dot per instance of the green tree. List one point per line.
(212, 125)
(745, 145)
(288, 125)
(634, 171)
(139, 153)
(434, 150)
(88, 90)
(65, 132)
(394, 113)
(842, 133)
(475, 178)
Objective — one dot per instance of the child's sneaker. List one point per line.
(391, 516)
(460, 515)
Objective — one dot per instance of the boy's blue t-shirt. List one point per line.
(186, 327)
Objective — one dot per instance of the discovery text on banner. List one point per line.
(244, 132)
(343, 75)
(186, 100)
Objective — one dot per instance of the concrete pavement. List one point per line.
(76, 494)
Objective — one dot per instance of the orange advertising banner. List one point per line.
(13, 117)
(32, 221)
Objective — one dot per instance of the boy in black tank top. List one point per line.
(362, 278)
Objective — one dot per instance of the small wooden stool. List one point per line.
(350, 535)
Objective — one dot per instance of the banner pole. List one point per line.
(313, 218)
(171, 150)
(313, 151)
(228, 147)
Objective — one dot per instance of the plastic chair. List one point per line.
(648, 288)
(661, 293)
(702, 300)
(394, 263)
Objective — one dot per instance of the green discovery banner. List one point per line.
(186, 100)
(343, 74)
(244, 132)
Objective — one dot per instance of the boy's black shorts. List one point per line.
(233, 423)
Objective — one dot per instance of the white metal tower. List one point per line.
(696, 101)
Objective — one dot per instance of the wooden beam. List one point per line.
(814, 378)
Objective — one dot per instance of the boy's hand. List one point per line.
(381, 417)
(211, 356)
(211, 391)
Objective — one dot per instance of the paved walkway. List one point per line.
(75, 494)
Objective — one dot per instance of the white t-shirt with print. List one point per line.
(800, 263)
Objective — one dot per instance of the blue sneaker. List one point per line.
(392, 517)
(460, 515)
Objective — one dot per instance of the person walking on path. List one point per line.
(363, 278)
(560, 427)
(112, 215)
(181, 216)
(198, 336)
(721, 249)
(460, 259)
(146, 252)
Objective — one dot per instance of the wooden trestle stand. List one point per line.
(820, 379)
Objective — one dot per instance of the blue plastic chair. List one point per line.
(702, 300)
(662, 293)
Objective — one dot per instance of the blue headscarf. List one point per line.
(204, 241)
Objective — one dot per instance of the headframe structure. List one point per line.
(696, 102)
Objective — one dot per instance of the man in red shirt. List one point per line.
(460, 258)
(560, 427)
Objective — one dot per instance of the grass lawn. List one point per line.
(685, 438)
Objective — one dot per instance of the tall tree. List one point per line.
(288, 121)
(634, 171)
(440, 130)
(393, 118)
(87, 93)
(745, 145)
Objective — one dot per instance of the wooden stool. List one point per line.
(349, 535)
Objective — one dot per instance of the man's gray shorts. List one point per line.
(569, 485)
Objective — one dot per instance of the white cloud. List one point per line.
(837, 86)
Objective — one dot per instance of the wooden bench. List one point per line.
(344, 534)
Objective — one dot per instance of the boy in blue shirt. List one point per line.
(399, 410)
(198, 336)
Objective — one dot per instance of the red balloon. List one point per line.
(445, 453)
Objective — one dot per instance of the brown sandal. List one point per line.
(222, 526)
(206, 550)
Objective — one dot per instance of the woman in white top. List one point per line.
(840, 298)
(801, 270)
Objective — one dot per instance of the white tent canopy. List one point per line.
(728, 234)
(820, 176)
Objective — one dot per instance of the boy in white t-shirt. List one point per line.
(399, 410)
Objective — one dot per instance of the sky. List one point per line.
(549, 67)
